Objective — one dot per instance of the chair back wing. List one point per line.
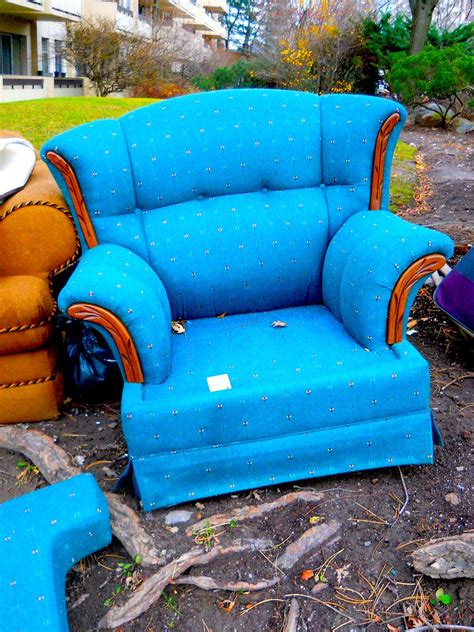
(231, 196)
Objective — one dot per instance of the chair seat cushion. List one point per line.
(26, 307)
(285, 380)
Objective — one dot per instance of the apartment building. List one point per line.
(31, 33)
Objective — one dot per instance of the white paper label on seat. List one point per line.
(218, 383)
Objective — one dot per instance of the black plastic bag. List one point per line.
(89, 366)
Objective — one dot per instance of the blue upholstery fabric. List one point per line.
(363, 263)
(308, 377)
(222, 143)
(42, 535)
(240, 253)
(118, 280)
(254, 203)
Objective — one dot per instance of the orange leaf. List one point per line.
(307, 574)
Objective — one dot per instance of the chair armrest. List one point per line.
(115, 291)
(374, 267)
(37, 233)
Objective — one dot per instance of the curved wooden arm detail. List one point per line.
(80, 207)
(398, 301)
(378, 166)
(115, 327)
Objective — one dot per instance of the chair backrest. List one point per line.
(255, 182)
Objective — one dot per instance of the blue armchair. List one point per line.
(259, 218)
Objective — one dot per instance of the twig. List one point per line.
(323, 603)
(442, 626)
(249, 608)
(457, 379)
(407, 496)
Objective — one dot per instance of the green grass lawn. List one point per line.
(404, 178)
(43, 118)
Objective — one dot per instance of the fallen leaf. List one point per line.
(307, 574)
(342, 572)
(316, 519)
(392, 628)
(279, 323)
(227, 605)
(223, 315)
(178, 326)
(452, 499)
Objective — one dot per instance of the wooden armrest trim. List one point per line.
(115, 327)
(76, 195)
(398, 301)
(379, 160)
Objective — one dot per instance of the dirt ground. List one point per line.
(369, 584)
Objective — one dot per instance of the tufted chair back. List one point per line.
(231, 196)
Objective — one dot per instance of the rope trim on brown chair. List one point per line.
(41, 323)
(38, 380)
(54, 272)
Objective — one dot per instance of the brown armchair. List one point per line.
(37, 241)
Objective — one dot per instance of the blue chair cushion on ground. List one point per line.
(42, 535)
(237, 209)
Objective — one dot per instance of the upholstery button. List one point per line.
(200, 197)
(264, 190)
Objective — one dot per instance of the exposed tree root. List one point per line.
(208, 583)
(308, 541)
(449, 558)
(147, 594)
(55, 465)
(150, 590)
(291, 623)
(254, 511)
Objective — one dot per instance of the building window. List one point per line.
(58, 58)
(45, 56)
(12, 54)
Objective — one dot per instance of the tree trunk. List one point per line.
(422, 12)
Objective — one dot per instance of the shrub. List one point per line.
(435, 78)
(242, 74)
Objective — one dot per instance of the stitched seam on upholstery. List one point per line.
(39, 380)
(132, 171)
(427, 409)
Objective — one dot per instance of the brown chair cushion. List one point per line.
(28, 366)
(26, 308)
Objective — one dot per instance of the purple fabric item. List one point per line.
(455, 296)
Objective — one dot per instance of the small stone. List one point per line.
(177, 516)
(109, 472)
(79, 459)
(112, 424)
(461, 468)
(452, 499)
(374, 481)
(367, 543)
(199, 506)
(319, 587)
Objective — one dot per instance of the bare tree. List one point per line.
(449, 13)
(110, 59)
